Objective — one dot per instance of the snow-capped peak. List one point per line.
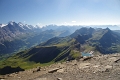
(27, 26)
(37, 26)
(2, 25)
(11, 23)
(20, 24)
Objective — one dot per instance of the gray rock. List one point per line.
(59, 79)
(53, 70)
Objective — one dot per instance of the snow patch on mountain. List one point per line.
(2, 25)
(11, 22)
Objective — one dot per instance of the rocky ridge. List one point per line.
(99, 67)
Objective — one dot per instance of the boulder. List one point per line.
(53, 70)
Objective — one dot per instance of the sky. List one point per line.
(61, 12)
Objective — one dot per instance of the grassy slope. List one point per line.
(26, 59)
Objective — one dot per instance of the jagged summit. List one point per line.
(107, 28)
(19, 24)
(11, 22)
(12, 35)
(83, 31)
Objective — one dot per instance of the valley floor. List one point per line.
(101, 67)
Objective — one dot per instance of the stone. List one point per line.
(37, 69)
(87, 58)
(40, 79)
(59, 78)
(2, 79)
(117, 60)
(53, 70)
(107, 70)
(84, 65)
(60, 70)
(108, 67)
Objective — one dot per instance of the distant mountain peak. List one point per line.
(11, 23)
(2, 25)
(107, 28)
(83, 31)
(37, 26)
(20, 24)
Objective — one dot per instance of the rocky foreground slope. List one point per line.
(101, 67)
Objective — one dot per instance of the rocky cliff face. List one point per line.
(14, 30)
(108, 42)
(13, 34)
(83, 31)
(104, 40)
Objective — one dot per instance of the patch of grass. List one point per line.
(75, 54)
(21, 62)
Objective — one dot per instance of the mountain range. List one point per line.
(18, 36)
(55, 45)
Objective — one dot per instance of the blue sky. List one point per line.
(68, 12)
